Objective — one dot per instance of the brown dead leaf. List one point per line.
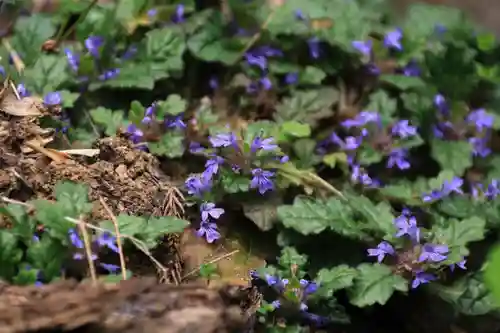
(81, 152)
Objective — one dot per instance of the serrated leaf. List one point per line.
(312, 75)
(52, 216)
(172, 106)
(378, 217)
(138, 76)
(403, 82)
(23, 225)
(29, 34)
(307, 106)
(332, 159)
(263, 213)
(234, 183)
(401, 192)
(109, 119)
(452, 155)
(290, 257)
(160, 226)
(170, 145)
(457, 234)
(26, 277)
(127, 225)
(164, 47)
(375, 284)
(367, 155)
(457, 206)
(10, 254)
(468, 295)
(48, 255)
(68, 98)
(46, 75)
(308, 216)
(136, 113)
(383, 104)
(337, 278)
(296, 129)
(73, 196)
(305, 150)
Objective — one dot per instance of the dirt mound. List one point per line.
(136, 305)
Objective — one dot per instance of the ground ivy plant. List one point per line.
(327, 124)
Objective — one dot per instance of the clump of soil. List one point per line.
(136, 305)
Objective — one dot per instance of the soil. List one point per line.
(136, 305)
(129, 181)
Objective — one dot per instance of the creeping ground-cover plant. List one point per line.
(364, 147)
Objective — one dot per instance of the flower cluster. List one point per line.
(476, 127)
(416, 258)
(289, 290)
(105, 240)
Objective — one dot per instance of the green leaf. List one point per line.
(403, 82)
(234, 183)
(375, 283)
(26, 277)
(311, 75)
(337, 278)
(307, 106)
(174, 105)
(305, 150)
(457, 206)
(163, 49)
(53, 217)
(378, 217)
(68, 98)
(289, 257)
(312, 216)
(296, 129)
(23, 225)
(469, 295)
(403, 192)
(166, 225)
(127, 225)
(368, 155)
(332, 159)
(492, 272)
(132, 75)
(170, 145)
(10, 254)
(29, 35)
(383, 104)
(46, 75)
(111, 121)
(136, 113)
(263, 213)
(486, 41)
(208, 271)
(455, 156)
(457, 234)
(73, 196)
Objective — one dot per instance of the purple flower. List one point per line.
(407, 225)
(75, 239)
(492, 191)
(359, 176)
(198, 184)
(261, 180)
(481, 119)
(109, 74)
(268, 51)
(266, 83)
(259, 61)
(208, 209)
(195, 147)
(110, 267)
(291, 78)
(480, 146)
(73, 60)
(350, 142)
(422, 278)
(264, 144)
(129, 53)
(212, 166)
(441, 104)
(109, 241)
(275, 304)
(176, 122)
(299, 15)
(52, 99)
(80, 256)
(136, 134)
(455, 185)
(397, 158)
(223, 140)
(364, 47)
(411, 69)
(381, 251)
(93, 44)
(21, 89)
(433, 253)
(314, 49)
(213, 83)
(403, 129)
(393, 39)
(209, 230)
(363, 118)
(460, 265)
(434, 195)
(152, 12)
(178, 17)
